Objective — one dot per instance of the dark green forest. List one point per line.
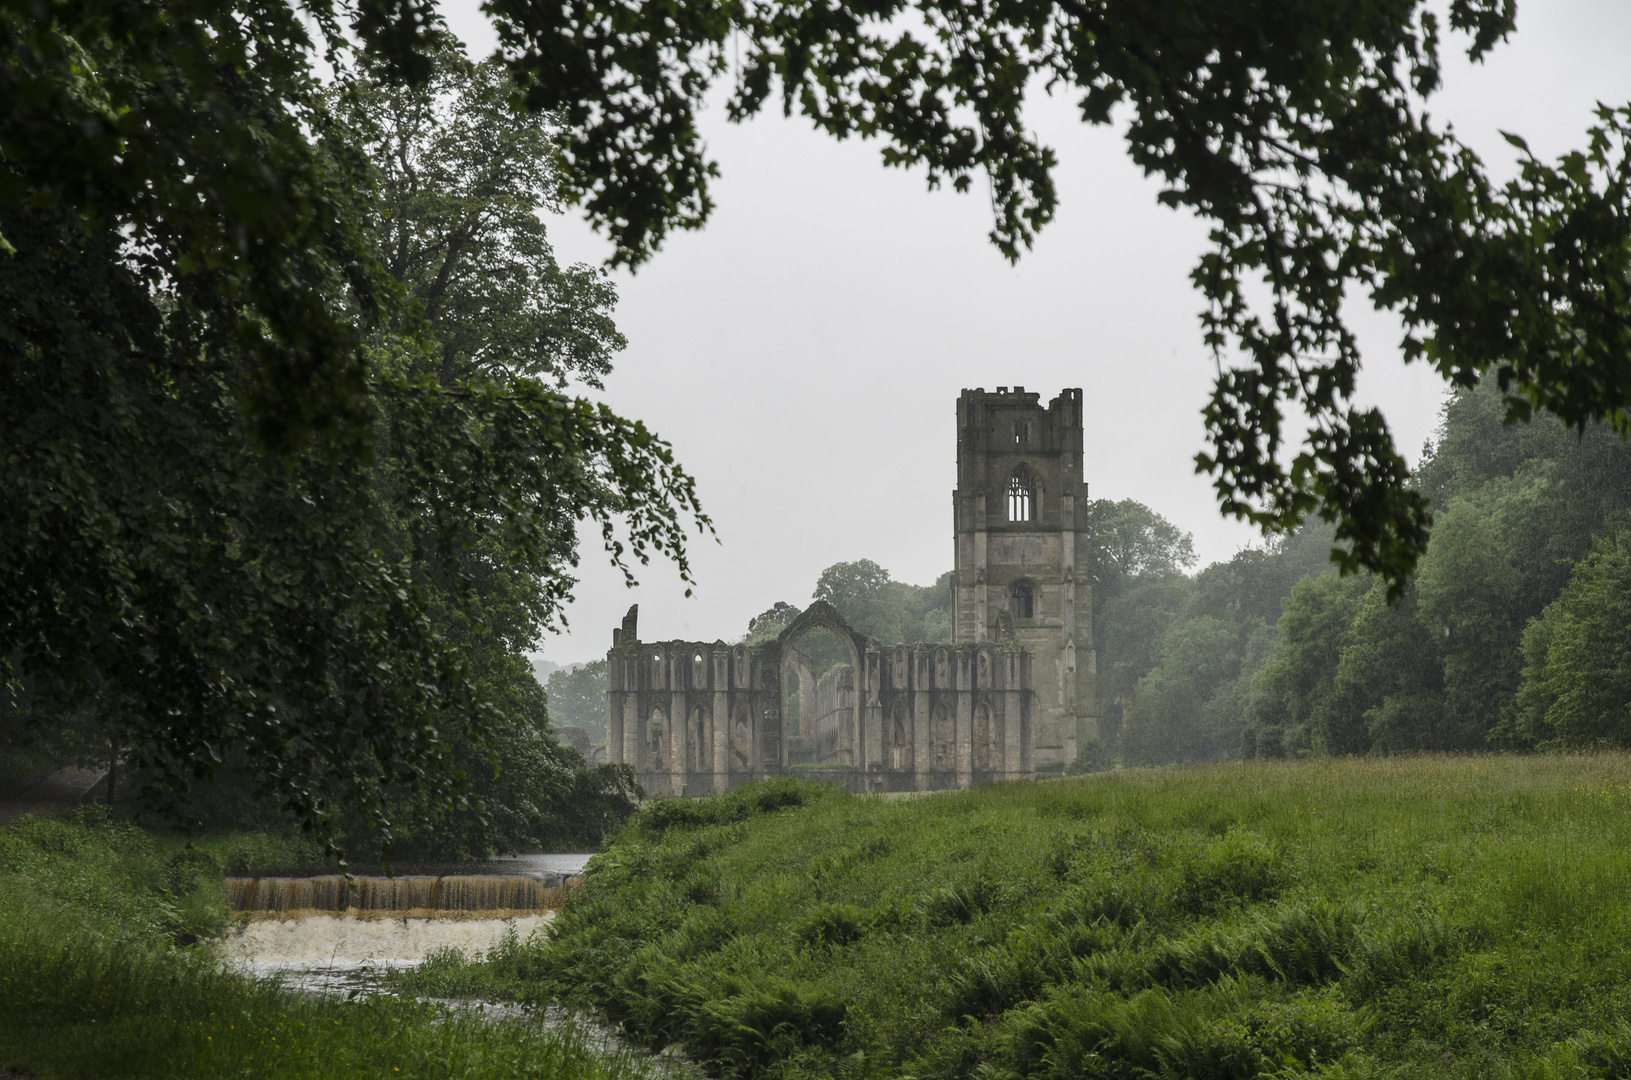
(338, 636)
(1513, 634)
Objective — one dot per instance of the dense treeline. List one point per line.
(339, 634)
(1177, 655)
(1513, 634)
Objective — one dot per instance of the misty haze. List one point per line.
(927, 541)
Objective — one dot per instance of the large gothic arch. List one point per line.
(847, 735)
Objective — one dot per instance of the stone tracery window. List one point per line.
(985, 739)
(942, 740)
(655, 730)
(900, 741)
(1024, 600)
(698, 751)
(742, 739)
(1022, 495)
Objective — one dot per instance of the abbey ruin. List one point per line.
(1009, 697)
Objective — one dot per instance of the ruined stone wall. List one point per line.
(695, 717)
(692, 716)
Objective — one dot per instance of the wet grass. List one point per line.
(96, 1011)
(1458, 917)
(93, 982)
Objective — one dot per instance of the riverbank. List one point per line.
(1444, 917)
(49, 791)
(107, 969)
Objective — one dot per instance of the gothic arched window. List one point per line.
(655, 733)
(742, 738)
(698, 750)
(985, 739)
(1024, 600)
(1022, 495)
(900, 741)
(942, 740)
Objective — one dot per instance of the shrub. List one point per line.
(1601, 1053)
(1266, 1036)
(958, 904)
(1239, 866)
(831, 926)
(755, 1022)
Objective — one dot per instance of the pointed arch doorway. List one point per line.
(823, 688)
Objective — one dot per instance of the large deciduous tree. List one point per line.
(1130, 540)
(879, 606)
(1297, 129)
(462, 174)
(460, 177)
(254, 511)
(577, 698)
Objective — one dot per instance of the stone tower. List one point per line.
(1020, 522)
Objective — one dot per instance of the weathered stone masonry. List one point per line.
(1010, 698)
(694, 717)
(1021, 546)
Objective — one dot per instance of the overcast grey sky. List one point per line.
(804, 352)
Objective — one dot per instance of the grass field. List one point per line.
(98, 979)
(1457, 917)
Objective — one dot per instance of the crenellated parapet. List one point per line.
(694, 717)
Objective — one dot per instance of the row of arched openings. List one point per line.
(659, 751)
(943, 740)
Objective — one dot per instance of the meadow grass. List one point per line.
(1431, 916)
(94, 984)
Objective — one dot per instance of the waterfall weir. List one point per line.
(484, 896)
(319, 934)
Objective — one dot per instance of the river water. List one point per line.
(314, 934)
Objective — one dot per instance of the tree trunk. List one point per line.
(113, 766)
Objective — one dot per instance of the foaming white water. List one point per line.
(329, 946)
